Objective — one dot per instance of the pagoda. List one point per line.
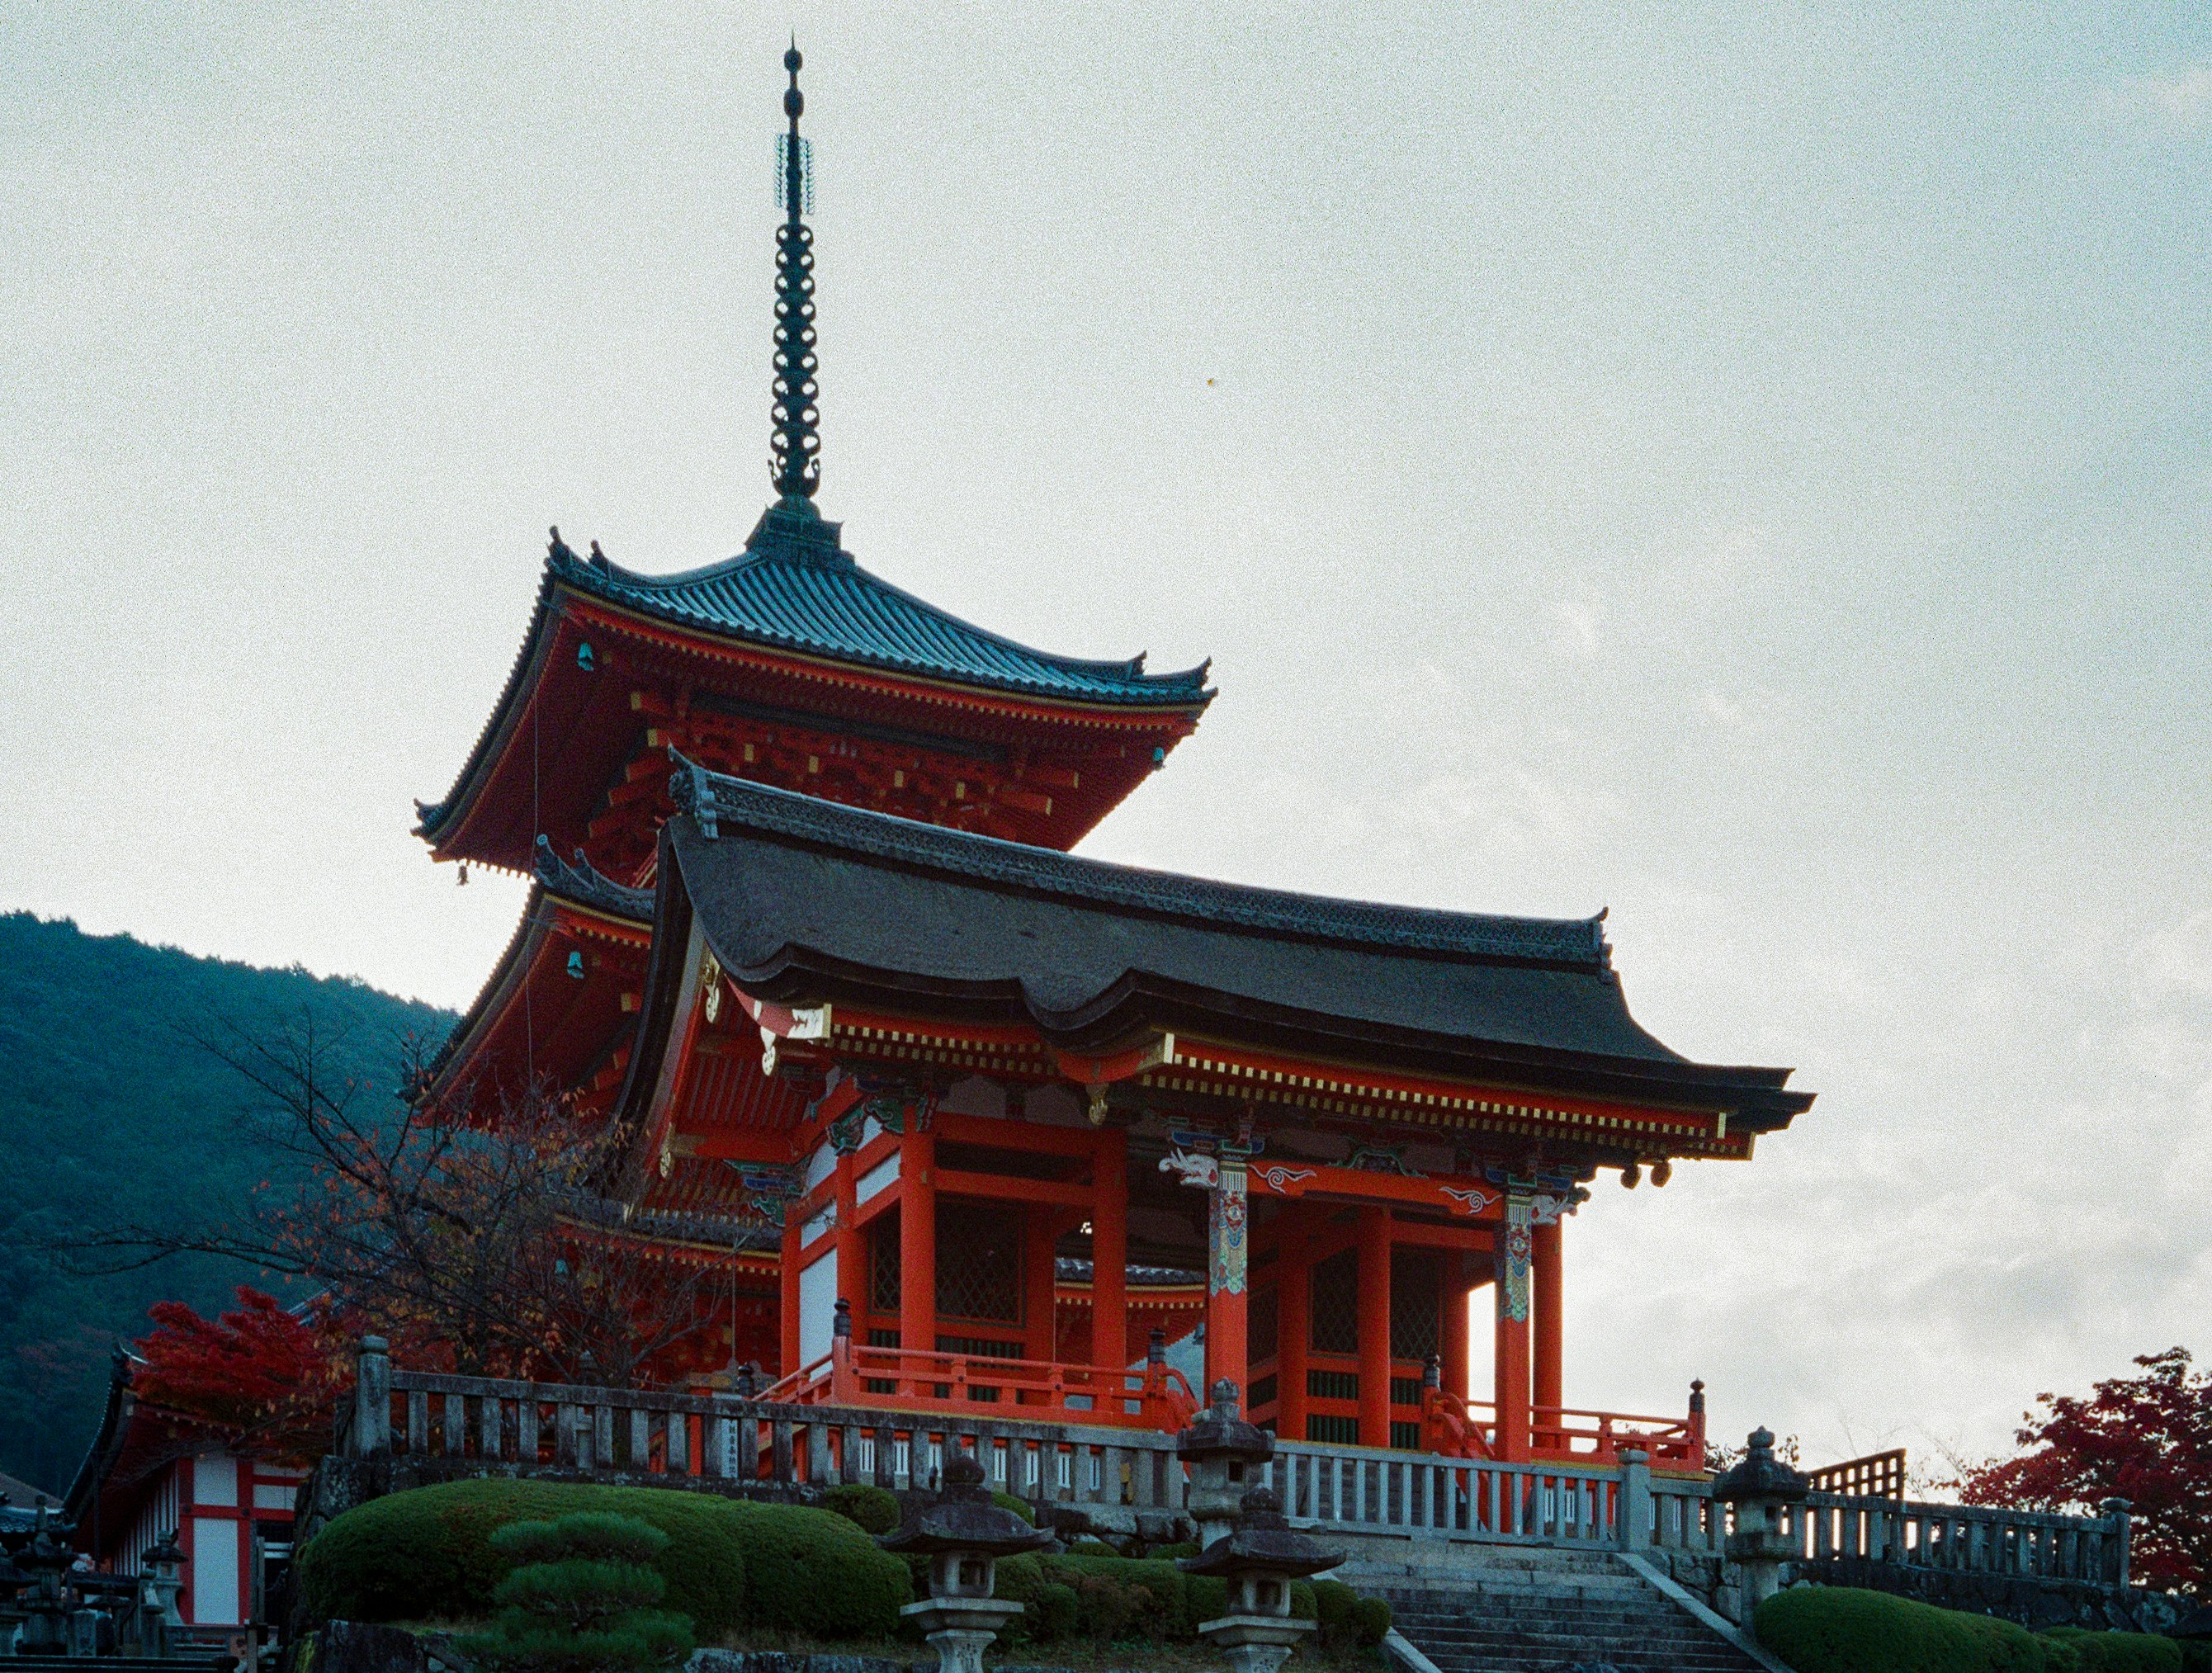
(981, 1123)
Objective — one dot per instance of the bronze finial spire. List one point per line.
(796, 444)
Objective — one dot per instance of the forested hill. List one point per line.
(110, 1112)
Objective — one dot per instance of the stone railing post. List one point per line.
(2117, 1529)
(371, 1400)
(1633, 1529)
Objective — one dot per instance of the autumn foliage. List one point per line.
(263, 1377)
(2146, 1438)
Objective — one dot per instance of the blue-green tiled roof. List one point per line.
(814, 597)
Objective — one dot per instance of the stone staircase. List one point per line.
(1516, 1610)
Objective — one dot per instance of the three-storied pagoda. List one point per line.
(981, 1122)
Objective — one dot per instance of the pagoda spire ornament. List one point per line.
(796, 444)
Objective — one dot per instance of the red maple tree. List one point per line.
(2146, 1438)
(265, 1377)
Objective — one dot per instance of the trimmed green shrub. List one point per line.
(1370, 1620)
(1304, 1606)
(582, 1601)
(2117, 1652)
(1138, 1597)
(1091, 1548)
(1204, 1597)
(1843, 1629)
(428, 1554)
(1057, 1608)
(1184, 1548)
(873, 1509)
(809, 1571)
(1020, 1507)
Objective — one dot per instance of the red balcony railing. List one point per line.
(1157, 1397)
(1468, 1429)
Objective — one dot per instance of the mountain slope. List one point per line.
(109, 1113)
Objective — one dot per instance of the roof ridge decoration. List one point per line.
(711, 799)
(582, 884)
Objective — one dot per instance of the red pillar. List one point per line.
(849, 1250)
(852, 1246)
(1225, 1298)
(1374, 1233)
(1109, 1248)
(1512, 1352)
(1042, 1223)
(1458, 1352)
(1293, 1320)
(788, 1307)
(1546, 1288)
(918, 1243)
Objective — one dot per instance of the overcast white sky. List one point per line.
(1749, 467)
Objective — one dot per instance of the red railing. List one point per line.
(1468, 1429)
(1157, 1397)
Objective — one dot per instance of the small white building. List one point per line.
(151, 1472)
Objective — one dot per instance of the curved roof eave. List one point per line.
(1142, 1001)
(1117, 682)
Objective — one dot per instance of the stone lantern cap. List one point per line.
(964, 1519)
(1263, 1541)
(1760, 1474)
(1220, 1433)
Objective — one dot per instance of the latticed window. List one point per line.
(883, 1266)
(979, 1263)
(1260, 1327)
(1336, 1303)
(1334, 1431)
(1332, 1385)
(1416, 1314)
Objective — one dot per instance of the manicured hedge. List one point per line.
(1841, 1629)
(809, 1571)
(2118, 1652)
(1124, 1599)
(873, 1509)
(427, 1554)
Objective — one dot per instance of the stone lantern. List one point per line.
(1258, 1558)
(47, 1559)
(1224, 1453)
(161, 1578)
(1761, 1487)
(964, 1535)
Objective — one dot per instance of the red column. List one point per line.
(1512, 1352)
(852, 1247)
(1225, 1298)
(1374, 1232)
(1109, 1248)
(788, 1309)
(918, 1243)
(1458, 1341)
(1042, 1222)
(1545, 1287)
(1293, 1320)
(852, 1273)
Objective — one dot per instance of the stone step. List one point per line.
(1534, 1611)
